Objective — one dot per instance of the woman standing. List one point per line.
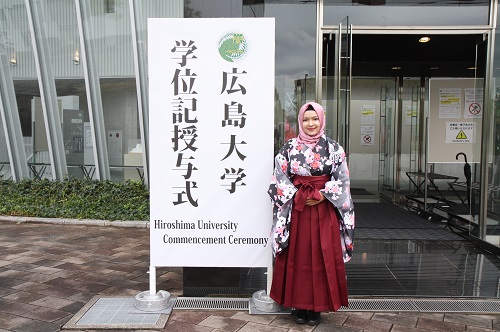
(313, 221)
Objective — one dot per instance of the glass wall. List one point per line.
(64, 48)
(295, 64)
(4, 158)
(112, 42)
(108, 36)
(491, 226)
(393, 13)
(15, 34)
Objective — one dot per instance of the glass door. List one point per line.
(336, 81)
(411, 153)
(387, 151)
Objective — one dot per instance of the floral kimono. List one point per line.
(327, 157)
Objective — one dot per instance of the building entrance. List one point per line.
(385, 78)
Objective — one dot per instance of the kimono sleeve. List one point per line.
(281, 191)
(337, 191)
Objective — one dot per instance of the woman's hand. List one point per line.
(312, 202)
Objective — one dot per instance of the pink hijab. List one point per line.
(311, 141)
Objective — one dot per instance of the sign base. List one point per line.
(145, 301)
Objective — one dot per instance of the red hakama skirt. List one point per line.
(310, 273)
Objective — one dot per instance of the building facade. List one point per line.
(74, 89)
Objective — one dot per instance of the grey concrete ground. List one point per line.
(49, 271)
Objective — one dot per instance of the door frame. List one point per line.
(424, 30)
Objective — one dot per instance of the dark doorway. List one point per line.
(402, 55)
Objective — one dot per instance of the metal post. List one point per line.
(152, 280)
(140, 64)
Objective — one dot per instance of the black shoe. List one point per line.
(299, 315)
(313, 318)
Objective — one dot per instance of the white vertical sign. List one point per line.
(211, 84)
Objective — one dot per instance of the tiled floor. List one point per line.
(49, 271)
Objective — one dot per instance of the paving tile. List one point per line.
(23, 297)
(256, 327)
(334, 318)
(496, 324)
(8, 321)
(52, 302)
(176, 326)
(367, 324)
(95, 288)
(224, 323)
(14, 274)
(395, 318)
(470, 320)
(46, 270)
(38, 277)
(4, 263)
(429, 315)
(61, 292)
(18, 266)
(478, 329)
(221, 313)
(400, 328)
(64, 282)
(76, 260)
(288, 322)
(71, 267)
(6, 291)
(430, 324)
(37, 326)
(260, 319)
(188, 316)
(337, 328)
(81, 297)
(30, 286)
(6, 282)
(74, 307)
(16, 308)
(364, 315)
(45, 314)
(27, 259)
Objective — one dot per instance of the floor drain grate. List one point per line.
(462, 306)
(211, 303)
(380, 305)
(115, 313)
(357, 304)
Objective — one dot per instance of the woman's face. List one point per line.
(310, 123)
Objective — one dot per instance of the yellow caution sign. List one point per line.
(461, 135)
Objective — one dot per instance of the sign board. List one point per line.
(211, 84)
(455, 119)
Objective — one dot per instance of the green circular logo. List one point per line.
(232, 47)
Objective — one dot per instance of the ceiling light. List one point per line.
(396, 68)
(424, 39)
(434, 68)
(472, 68)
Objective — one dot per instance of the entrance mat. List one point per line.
(117, 313)
(386, 221)
(405, 234)
(388, 215)
(360, 191)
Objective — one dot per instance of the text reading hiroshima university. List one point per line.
(219, 228)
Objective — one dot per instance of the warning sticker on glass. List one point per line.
(460, 132)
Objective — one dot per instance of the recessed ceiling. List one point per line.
(442, 56)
